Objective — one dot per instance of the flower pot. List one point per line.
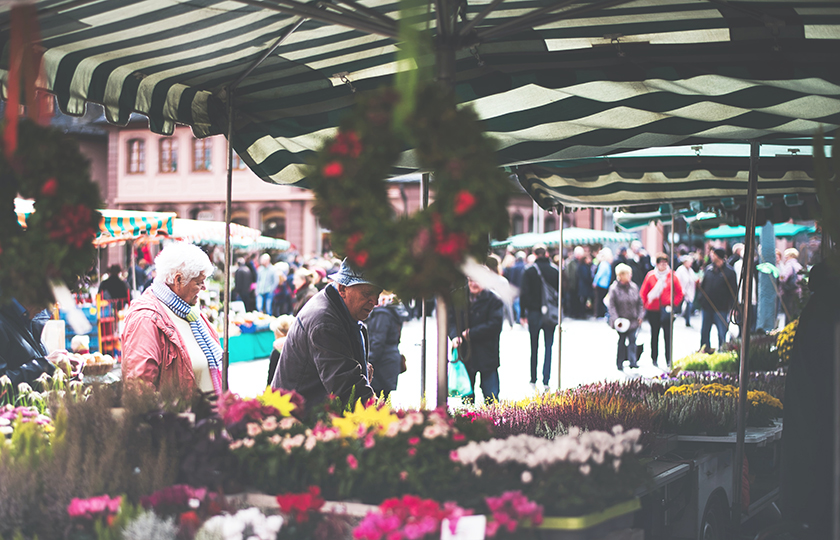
(612, 523)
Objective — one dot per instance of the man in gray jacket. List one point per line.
(327, 346)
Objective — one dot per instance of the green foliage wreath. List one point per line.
(421, 255)
(57, 242)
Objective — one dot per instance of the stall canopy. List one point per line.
(572, 236)
(782, 230)
(116, 225)
(212, 232)
(553, 80)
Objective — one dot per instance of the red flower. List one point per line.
(360, 259)
(333, 169)
(464, 202)
(190, 522)
(299, 505)
(50, 187)
(73, 225)
(347, 143)
(452, 246)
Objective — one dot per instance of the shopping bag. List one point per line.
(459, 380)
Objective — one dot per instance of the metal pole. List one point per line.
(746, 270)
(673, 277)
(443, 346)
(424, 203)
(836, 501)
(560, 304)
(133, 267)
(228, 197)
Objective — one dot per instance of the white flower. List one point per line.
(269, 424)
(288, 422)
(247, 443)
(254, 429)
(6, 430)
(431, 432)
(584, 469)
(24, 388)
(5, 381)
(527, 477)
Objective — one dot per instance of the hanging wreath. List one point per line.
(421, 255)
(56, 245)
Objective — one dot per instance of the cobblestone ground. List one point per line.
(588, 355)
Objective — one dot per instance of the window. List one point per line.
(550, 224)
(136, 156)
(238, 164)
(517, 224)
(168, 155)
(202, 152)
(273, 223)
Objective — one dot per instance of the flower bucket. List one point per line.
(595, 526)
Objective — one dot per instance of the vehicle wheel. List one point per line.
(715, 520)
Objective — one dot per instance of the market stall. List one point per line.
(571, 236)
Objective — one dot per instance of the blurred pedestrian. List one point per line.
(113, 287)
(304, 290)
(385, 328)
(267, 281)
(626, 314)
(789, 278)
(535, 311)
(656, 295)
(476, 331)
(688, 281)
(514, 274)
(717, 297)
(242, 281)
(602, 279)
(280, 326)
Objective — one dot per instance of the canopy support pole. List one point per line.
(560, 302)
(228, 197)
(743, 374)
(424, 203)
(673, 277)
(835, 521)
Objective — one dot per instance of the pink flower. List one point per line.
(50, 187)
(331, 469)
(369, 441)
(352, 461)
(403, 475)
(413, 441)
(458, 437)
(412, 451)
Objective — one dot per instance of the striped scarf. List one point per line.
(211, 348)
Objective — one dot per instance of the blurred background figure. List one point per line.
(242, 281)
(789, 278)
(304, 290)
(656, 295)
(267, 281)
(601, 280)
(688, 281)
(385, 328)
(280, 326)
(626, 314)
(113, 287)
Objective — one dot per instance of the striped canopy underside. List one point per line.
(635, 75)
(636, 181)
(572, 236)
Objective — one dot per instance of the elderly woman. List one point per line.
(167, 342)
(625, 305)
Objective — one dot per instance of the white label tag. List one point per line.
(468, 528)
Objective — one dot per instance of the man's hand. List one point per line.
(523, 321)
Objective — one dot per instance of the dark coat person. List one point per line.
(242, 280)
(23, 357)
(113, 288)
(385, 327)
(326, 350)
(717, 297)
(476, 331)
(808, 436)
(530, 299)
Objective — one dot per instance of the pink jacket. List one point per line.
(152, 349)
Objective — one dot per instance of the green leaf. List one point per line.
(768, 268)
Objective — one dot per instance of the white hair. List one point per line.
(265, 258)
(182, 258)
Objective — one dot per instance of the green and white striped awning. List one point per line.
(781, 230)
(553, 80)
(572, 236)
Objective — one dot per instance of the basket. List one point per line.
(100, 368)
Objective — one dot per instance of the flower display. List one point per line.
(93, 507)
(247, 524)
(784, 341)
(301, 505)
(510, 511)
(408, 518)
(10, 415)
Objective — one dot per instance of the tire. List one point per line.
(715, 524)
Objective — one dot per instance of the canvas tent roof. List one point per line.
(552, 80)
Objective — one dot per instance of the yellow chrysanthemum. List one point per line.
(369, 417)
(281, 402)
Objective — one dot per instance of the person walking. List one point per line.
(789, 278)
(385, 328)
(688, 281)
(513, 274)
(656, 295)
(717, 297)
(627, 312)
(571, 300)
(601, 281)
(304, 290)
(267, 281)
(531, 302)
(476, 331)
(242, 280)
(584, 285)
